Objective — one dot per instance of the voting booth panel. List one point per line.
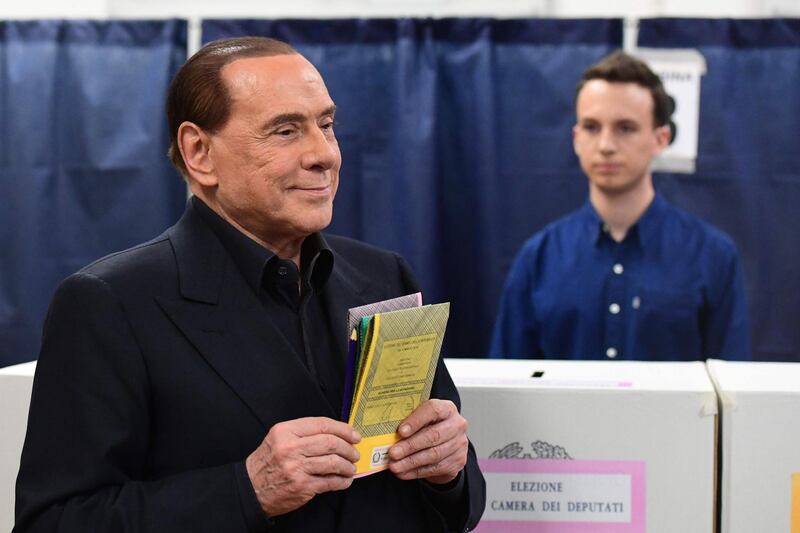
(760, 427)
(16, 383)
(586, 446)
(595, 446)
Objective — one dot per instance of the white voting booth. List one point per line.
(585, 446)
(595, 446)
(760, 415)
(15, 396)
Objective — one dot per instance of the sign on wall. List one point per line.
(681, 71)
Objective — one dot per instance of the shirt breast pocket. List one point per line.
(666, 322)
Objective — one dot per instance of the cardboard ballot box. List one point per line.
(760, 423)
(16, 383)
(592, 446)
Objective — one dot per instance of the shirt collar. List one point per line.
(650, 220)
(642, 230)
(257, 263)
(592, 224)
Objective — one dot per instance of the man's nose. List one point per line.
(322, 151)
(606, 142)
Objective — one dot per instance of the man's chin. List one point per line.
(315, 224)
(613, 186)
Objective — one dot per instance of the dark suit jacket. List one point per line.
(159, 374)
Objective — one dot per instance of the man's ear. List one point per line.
(663, 135)
(195, 146)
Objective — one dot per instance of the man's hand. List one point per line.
(434, 443)
(299, 459)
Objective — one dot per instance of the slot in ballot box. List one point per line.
(592, 446)
(760, 430)
(16, 383)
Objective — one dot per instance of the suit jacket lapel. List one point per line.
(222, 318)
(346, 288)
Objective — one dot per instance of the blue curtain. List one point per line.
(748, 165)
(456, 140)
(82, 155)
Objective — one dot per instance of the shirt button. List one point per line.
(611, 352)
(282, 270)
(618, 268)
(613, 309)
(636, 303)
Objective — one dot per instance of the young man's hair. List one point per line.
(620, 67)
(198, 94)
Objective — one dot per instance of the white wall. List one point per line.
(392, 8)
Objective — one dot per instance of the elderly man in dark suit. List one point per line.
(193, 382)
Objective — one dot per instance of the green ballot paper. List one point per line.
(393, 375)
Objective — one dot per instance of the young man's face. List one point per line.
(615, 138)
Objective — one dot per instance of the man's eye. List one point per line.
(628, 128)
(591, 128)
(285, 132)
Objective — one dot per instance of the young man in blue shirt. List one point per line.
(627, 276)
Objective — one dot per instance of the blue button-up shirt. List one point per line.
(671, 290)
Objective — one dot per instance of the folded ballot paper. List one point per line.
(394, 348)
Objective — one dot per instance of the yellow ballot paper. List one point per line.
(394, 375)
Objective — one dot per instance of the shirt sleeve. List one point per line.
(515, 334)
(726, 330)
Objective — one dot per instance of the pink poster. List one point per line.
(563, 496)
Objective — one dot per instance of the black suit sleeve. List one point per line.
(84, 464)
(460, 505)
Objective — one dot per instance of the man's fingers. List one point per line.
(320, 484)
(427, 438)
(327, 444)
(449, 466)
(435, 444)
(326, 465)
(429, 456)
(317, 425)
(430, 436)
(427, 413)
(300, 458)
